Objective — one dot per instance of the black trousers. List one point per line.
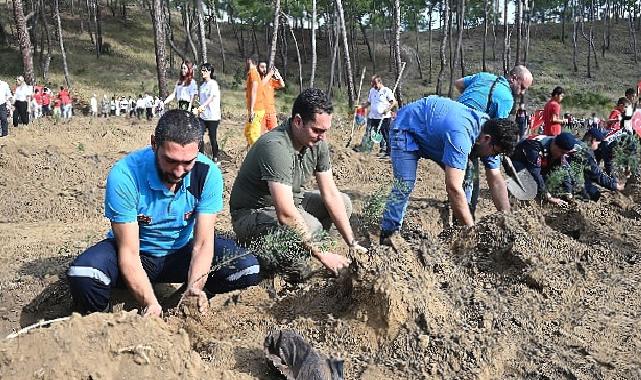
(211, 126)
(148, 113)
(3, 120)
(20, 113)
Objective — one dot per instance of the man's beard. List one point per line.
(168, 177)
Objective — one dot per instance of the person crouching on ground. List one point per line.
(540, 155)
(268, 191)
(451, 134)
(162, 202)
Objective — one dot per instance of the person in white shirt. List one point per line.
(149, 106)
(5, 95)
(209, 109)
(140, 106)
(381, 100)
(124, 106)
(21, 102)
(186, 88)
(93, 104)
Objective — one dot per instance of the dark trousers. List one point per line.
(148, 113)
(20, 114)
(139, 112)
(95, 272)
(211, 127)
(4, 124)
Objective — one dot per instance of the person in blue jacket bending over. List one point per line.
(451, 134)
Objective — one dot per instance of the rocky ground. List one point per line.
(539, 294)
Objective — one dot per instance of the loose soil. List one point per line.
(541, 293)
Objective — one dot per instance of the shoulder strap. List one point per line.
(489, 96)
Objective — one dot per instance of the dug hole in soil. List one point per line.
(540, 293)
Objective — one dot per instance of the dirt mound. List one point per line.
(103, 346)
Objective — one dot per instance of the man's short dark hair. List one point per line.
(630, 91)
(558, 90)
(504, 133)
(310, 102)
(178, 126)
(623, 101)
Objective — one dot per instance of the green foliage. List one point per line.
(282, 251)
(573, 173)
(625, 157)
(586, 100)
(374, 206)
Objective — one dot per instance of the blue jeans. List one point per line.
(405, 153)
(95, 272)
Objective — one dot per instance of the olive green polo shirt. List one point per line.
(274, 159)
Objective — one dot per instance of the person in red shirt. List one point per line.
(614, 120)
(552, 121)
(46, 101)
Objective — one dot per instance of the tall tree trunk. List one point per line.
(372, 57)
(158, 21)
(348, 63)
(187, 24)
(89, 22)
(506, 39)
(460, 13)
(314, 57)
(47, 60)
(397, 50)
(592, 45)
(495, 23)
(332, 69)
(3, 35)
(202, 38)
(633, 37)
(300, 64)
(97, 18)
(441, 73)
(606, 21)
(272, 53)
(518, 24)
(529, 9)
(220, 38)
(284, 53)
(63, 52)
(429, 44)
(574, 33)
(24, 41)
(485, 27)
(563, 17)
(418, 50)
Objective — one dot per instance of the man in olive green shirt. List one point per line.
(269, 188)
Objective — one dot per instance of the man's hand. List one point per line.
(153, 310)
(332, 261)
(357, 248)
(620, 186)
(558, 202)
(203, 302)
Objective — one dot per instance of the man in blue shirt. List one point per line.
(450, 134)
(476, 89)
(162, 202)
(493, 95)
